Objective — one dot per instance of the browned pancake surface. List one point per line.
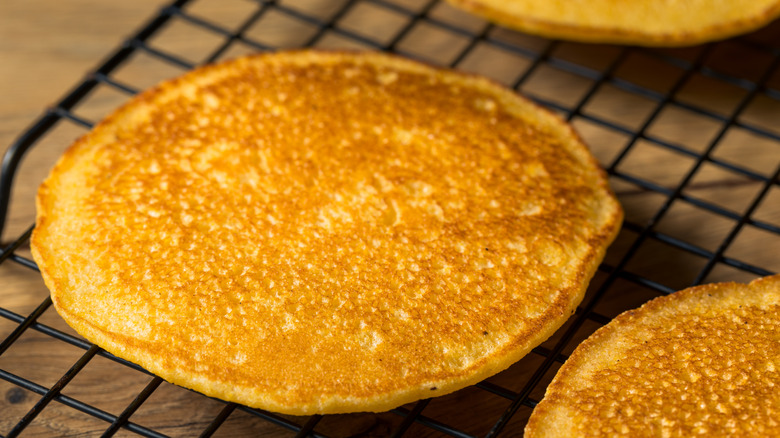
(641, 22)
(703, 361)
(323, 232)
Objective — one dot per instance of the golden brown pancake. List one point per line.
(640, 22)
(704, 361)
(312, 232)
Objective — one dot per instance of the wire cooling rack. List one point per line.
(689, 138)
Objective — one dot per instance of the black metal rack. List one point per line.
(731, 87)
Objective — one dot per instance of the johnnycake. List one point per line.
(702, 361)
(315, 232)
(640, 22)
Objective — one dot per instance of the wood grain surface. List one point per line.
(47, 47)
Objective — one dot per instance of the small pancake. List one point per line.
(314, 232)
(638, 22)
(704, 361)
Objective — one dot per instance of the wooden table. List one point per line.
(46, 48)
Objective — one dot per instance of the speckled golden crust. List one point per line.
(637, 22)
(702, 361)
(313, 232)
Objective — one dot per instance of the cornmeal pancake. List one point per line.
(640, 22)
(312, 232)
(702, 361)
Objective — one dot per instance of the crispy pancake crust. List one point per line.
(639, 22)
(702, 361)
(312, 232)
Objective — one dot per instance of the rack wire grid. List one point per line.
(688, 136)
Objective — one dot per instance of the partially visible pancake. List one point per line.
(639, 22)
(704, 361)
(312, 232)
